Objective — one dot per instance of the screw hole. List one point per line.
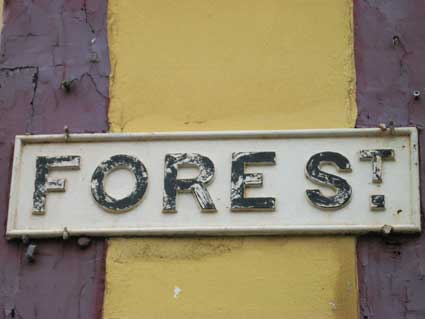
(396, 41)
(416, 94)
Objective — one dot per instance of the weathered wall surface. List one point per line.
(223, 65)
(231, 278)
(44, 43)
(390, 50)
(200, 65)
(210, 66)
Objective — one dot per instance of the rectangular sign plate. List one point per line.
(215, 183)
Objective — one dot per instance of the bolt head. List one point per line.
(84, 242)
(387, 229)
(25, 240)
(65, 234)
(416, 94)
(396, 41)
(30, 253)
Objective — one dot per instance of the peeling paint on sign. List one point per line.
(223, 184)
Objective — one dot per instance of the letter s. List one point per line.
(342, 188)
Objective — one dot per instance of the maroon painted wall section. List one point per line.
(44, 44)
(390, 65)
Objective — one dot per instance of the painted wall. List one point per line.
(227, 65)
(42, 44)
(390, 47)
(201, 65)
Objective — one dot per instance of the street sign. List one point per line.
(215, 183)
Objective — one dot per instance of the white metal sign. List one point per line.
(268, 182)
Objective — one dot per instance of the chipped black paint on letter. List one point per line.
(377, 156)
(43, 184)
(377, 202)
(172, 185)
(110, 203)
(240, 181)
(340, 185)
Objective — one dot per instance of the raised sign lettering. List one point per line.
(248, 182)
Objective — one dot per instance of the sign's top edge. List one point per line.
(342, 132)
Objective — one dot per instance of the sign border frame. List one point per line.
(21, 140)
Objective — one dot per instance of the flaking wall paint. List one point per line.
(228, 65)
(42, 44)
(391, 270)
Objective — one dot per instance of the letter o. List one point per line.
(110, 203)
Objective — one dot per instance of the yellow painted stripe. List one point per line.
(223, 65)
